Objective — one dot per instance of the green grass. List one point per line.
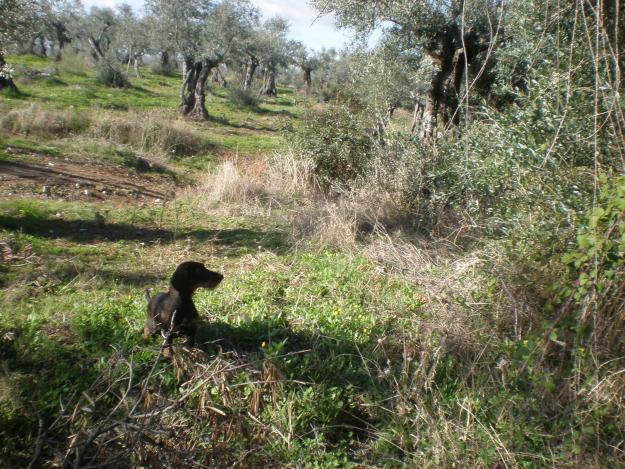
(231, 129)
(79, 301)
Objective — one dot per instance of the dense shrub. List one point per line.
(592, 296)
(109, 73)
(167, 69)
(338, 139)
(243, 98)
(73, 62)
(34, 120)
(173, 138)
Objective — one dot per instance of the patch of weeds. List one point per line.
(243, 98)
(109, 73)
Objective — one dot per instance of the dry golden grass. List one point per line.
(255, 184)
(148, 132)
(33, 120)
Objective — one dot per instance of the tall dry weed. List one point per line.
(151, 132)
(33, 120)
(281, 180)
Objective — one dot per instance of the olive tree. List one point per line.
(452, 34)
(203, 33)
(250, 53)
(98, 29)
(307, 61)
(275, 51)
(131, 41)
(61, 17)
(18, 23)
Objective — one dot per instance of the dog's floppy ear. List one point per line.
(180, 279)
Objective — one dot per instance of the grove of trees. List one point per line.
(194, 36)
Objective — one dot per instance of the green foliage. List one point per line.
(243, 98)
(73, 63)
(339, 141)
(109, 73)
(334, 360)
(167, 69)
(594, 290)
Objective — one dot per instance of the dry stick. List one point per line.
(181, 399)
(40, 437)
(493, 436)
(568, 89)
(99, 429)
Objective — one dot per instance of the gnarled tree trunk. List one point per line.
(269, 87)
(96, 48)
(307, 71)
(417, 116)
(218, 77)
(192, 93)
(451, 56)
(6, 81)
(437, 99)
(250, 68)
(60, 32)
(38, 46)
(136, 63)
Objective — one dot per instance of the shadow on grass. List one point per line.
(140, 279)
(22, 147)
(277, 112)
(326, 373)
(238, 240)
(19, 94)
(257, 128)
(40, 370)
(330, 365)
(18, 169)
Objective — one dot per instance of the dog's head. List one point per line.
(189, 276)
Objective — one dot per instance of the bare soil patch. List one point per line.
(86, 180)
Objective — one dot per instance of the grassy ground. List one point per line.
(281, 365)
(384, 355)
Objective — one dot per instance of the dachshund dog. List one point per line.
(173, 313)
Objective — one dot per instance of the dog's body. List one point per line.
(173, 313)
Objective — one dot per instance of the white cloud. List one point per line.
(136, 4)
(294, 10)
(306, 25)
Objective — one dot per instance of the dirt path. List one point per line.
(80, 180)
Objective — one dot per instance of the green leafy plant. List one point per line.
(339, 141)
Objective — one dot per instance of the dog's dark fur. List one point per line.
(177, 304)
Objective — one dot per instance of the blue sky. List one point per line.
(305, 25)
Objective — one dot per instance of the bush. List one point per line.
(168, 69)
(338, 140)
(109, 73)
(243, 98)
(73, 62)
(594, 292)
